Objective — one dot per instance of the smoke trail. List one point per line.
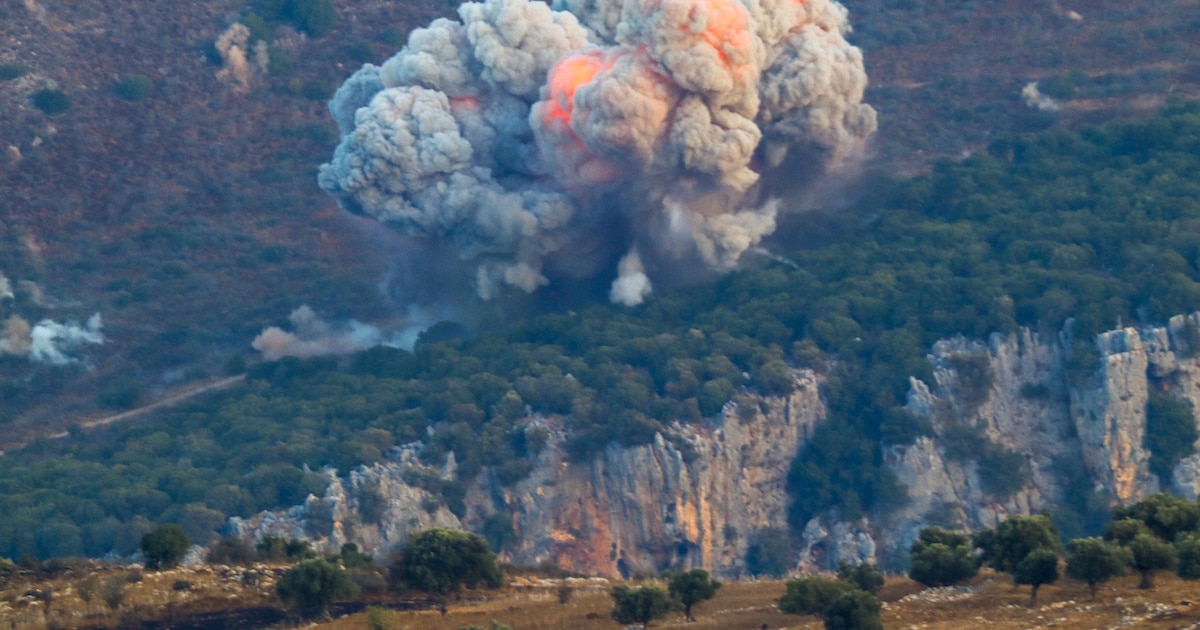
(543, 142)
(314, 337)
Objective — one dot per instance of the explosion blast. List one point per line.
(548, 141)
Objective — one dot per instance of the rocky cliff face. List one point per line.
(1006, 423)
(692, 498)
(1031, 408)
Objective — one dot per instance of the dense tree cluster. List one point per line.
(1099, 226)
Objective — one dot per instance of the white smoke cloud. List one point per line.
(541, 141)
(6, 288)
(312, 336)
(49, 341)
(232, 47)
(632, 285)
(1033, 97)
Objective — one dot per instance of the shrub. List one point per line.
(1170, 433)
(854, 610)
(769, 553)
(441, 561)
(51, 102)
(232, 550)
(811, 595)
(314, 584)
(641, 605)
(134, 88)
(10, 71)
(864, 576)
(165, 546)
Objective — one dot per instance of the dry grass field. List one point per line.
(989, 602)
(245, 597)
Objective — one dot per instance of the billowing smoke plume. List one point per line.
(313, 336)
(48, 341)
(548, 141)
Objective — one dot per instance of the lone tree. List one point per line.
(642, 605)
(1150, 554)
(942, 558)
(1038, 568)
(811, 595)
(692, 587)
(441, 561)
(1010, 542)
(1092, 560)
(314, 584)
(165, 546)
(854, 610)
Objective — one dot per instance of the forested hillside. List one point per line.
(1099, 227)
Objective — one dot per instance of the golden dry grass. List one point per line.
(151, 597)
(1173, 604)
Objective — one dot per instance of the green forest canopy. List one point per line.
(1101, 225)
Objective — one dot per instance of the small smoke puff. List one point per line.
(16, 340)
(1032, 97)
(632, 284)
(6, 289)
(232, 47)
(313, 337)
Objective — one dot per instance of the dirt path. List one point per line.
(171, 399)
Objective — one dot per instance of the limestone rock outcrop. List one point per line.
(693, 497)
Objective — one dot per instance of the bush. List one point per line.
(1170, 433)
(232, 551)
(811, 595)
(942, 558)
(10, 71)
(769, 553)
(181, 585)
(864, 576)
(165, 546)
(1187, 548)
(854, 610)
(441, 561)
(134, 88)
(51, 102)
(642, 605)
(314, 584)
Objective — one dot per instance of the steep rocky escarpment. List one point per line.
(1024, 424)
(692, 498)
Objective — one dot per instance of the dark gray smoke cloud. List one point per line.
(543, 141)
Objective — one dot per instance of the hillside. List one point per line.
(185, 211)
